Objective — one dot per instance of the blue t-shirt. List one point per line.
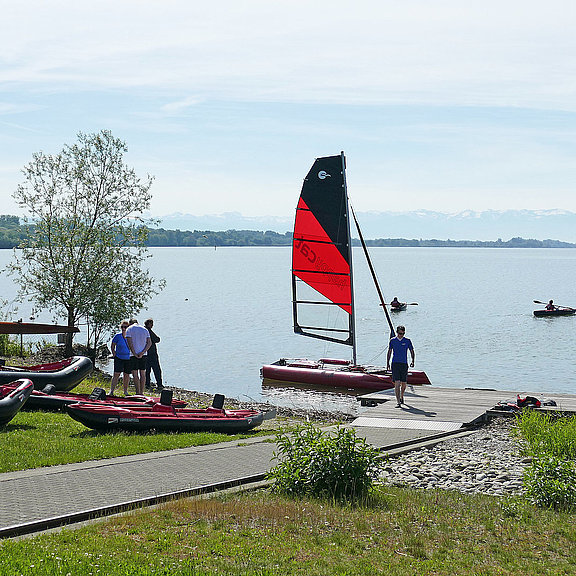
(400, 349)
(122, 351)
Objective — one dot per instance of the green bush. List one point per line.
(550, 482)
(336, 465)
(11, 347)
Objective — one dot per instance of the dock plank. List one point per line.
(428, 407)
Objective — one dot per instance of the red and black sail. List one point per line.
(321, 253)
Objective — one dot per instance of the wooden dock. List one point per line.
(444, 409)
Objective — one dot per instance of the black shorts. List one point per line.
(137, 363)
(121, 365)
(399, 372)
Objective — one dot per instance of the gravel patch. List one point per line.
(486, 462)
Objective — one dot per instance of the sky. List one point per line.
(445, 105)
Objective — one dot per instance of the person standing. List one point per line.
(152, 360)
(139, 342)
(121, 354)
(398, 348)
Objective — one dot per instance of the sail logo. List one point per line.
(305, 250)
(319, 264)
(323, 175)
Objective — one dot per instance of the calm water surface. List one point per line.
(226, 312)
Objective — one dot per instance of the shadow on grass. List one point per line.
(98, 433)
(12, 427)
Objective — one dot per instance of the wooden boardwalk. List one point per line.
(443, 409)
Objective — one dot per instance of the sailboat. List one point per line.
(322, 278)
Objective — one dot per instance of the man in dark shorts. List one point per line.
(138, 339)
(152, 360)
(398, 349)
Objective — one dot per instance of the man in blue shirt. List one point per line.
(398, 349)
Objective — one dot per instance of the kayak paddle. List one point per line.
(557, 305)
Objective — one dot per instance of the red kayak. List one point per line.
(52, 400)
(13, 398)
(64, 375)
(164, 418)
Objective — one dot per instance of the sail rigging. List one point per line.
(373, 272)
(322, 280)
(321, 252)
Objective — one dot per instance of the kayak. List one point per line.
(551, 313)
(49, 399)
(64, 375)
(164, 418)
(402, 306)
(12, 400)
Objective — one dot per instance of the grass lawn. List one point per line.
(400, 532)
(35, 439)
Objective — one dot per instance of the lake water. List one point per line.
(226, 312)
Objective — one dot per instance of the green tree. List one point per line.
(83, 258)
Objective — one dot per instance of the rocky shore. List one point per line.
(489, 461)
(194, 398)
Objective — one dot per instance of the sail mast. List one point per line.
(373, 272)
(352, 314)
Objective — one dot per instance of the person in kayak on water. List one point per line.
(396, 303)
(398, 349)
(550, 305)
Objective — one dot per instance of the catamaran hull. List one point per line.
(338, 377)
(57, 401)
(63, 375)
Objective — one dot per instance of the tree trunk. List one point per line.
(70, 335)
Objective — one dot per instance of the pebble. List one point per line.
(486, 462)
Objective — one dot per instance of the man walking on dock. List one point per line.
(398, 349)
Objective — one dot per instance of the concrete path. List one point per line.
(46, 497)
(34, 500)
(42, 498)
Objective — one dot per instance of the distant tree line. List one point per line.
(161, 237)
(12, 233)
(512, 243)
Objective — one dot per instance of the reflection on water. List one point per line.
(319, 398)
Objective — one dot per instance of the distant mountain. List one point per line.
(226, 221)
(420, 224)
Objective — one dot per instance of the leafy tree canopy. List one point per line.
(84, 254)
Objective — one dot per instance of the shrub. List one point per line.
(11, 346)
(336, 465)
(547, 434)
(550, 482)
